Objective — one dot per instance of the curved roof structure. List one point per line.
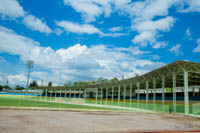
(176, 68)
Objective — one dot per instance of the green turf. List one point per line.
(22, 102)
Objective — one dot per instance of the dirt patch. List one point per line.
(31, 121)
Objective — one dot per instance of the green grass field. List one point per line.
(22, 102)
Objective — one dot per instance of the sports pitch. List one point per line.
(29, 116)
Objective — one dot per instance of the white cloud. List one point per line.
(114, 34)
(188, 34)
(90, 9)
(78, 62)
(197, 49)
(189, 6)
(148, 30)
(36, 24)
(11, 8)
(18, 79)
(176, 49)
(133, 50)
(160, 45)
(78, 28)
(115, 29)
(15, 44)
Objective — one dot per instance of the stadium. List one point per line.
(176, 84)
(169, 94)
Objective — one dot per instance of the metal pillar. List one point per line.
(124, 93)
(79, 92)
(55, 94)
(119, 94)
(106, 95)
(131, 90)
(186, 95)
(74, 92)
(147, 92)
(70, 95)
(138, 94)
(101, 94)
(46, 94)
(112, 93)
(50, 95)
(60, 94)
(154, 91)
(96, 96)
(41, 96)
(163, 90)
(174, 92)
(85, 93)
(35, 95)
(65, 93)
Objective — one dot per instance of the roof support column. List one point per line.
(46, 94)
(79, 92)
(147, 91)
(174, 92)
(101, 94)
(106, 95)
(74, 92)
(154, 91)
(41, 96)
(60, 94)
(163, 90)
(85, 93)
(55, 94)
(124, 94)
(65, 93)
(50, 95)
(96, 95)
(186, 97)
(119, 89)
(35, 95)
(138, 94)
(131, 91)
(70, 95)
(112, 93)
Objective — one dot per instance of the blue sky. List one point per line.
(72, 40)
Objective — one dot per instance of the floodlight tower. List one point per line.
(29, 65)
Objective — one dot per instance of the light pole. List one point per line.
(29, 65)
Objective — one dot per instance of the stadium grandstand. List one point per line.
(175, 86)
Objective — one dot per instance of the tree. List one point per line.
(68, 84)
(50, 83)
(19, 87)
(7, 87)
(34, 83)
(114, 79)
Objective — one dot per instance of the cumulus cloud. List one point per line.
(189, 6)
(176, 49)
(188, 34)
(90, 9)
(160, 45)
(36, 24)
(77, 62)
(114, 29)
(148, 30)
(78, 28)
(18, 79)
(197, 49)
(13, 9)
